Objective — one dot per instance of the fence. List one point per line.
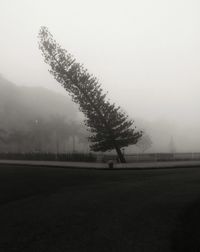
(77, 157)
(152, 157)
(91, 157)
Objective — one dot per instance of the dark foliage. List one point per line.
(110, 127)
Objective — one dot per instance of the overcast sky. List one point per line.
(145, 53)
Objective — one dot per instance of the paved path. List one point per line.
(142, 165)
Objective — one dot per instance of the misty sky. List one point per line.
(145, 53)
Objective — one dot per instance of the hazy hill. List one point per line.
(37, 119)
(18, 105)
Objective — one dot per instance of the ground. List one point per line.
(57, 209)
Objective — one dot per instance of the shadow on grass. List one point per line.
(186, 236)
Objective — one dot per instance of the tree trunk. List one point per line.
(120, 155)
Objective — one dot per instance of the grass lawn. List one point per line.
(55, 209)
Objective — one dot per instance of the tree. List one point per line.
(144, 143)
(172, 147)
(110, 127)
(3, 134)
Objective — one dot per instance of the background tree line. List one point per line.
(37, 119)
(54, 135)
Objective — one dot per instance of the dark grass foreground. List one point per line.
(55, 209)
(187, 236)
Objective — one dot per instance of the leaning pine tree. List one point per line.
(110, 128)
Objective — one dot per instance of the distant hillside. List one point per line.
(37, 119)
(19, 105)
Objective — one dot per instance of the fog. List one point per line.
(145, 53)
